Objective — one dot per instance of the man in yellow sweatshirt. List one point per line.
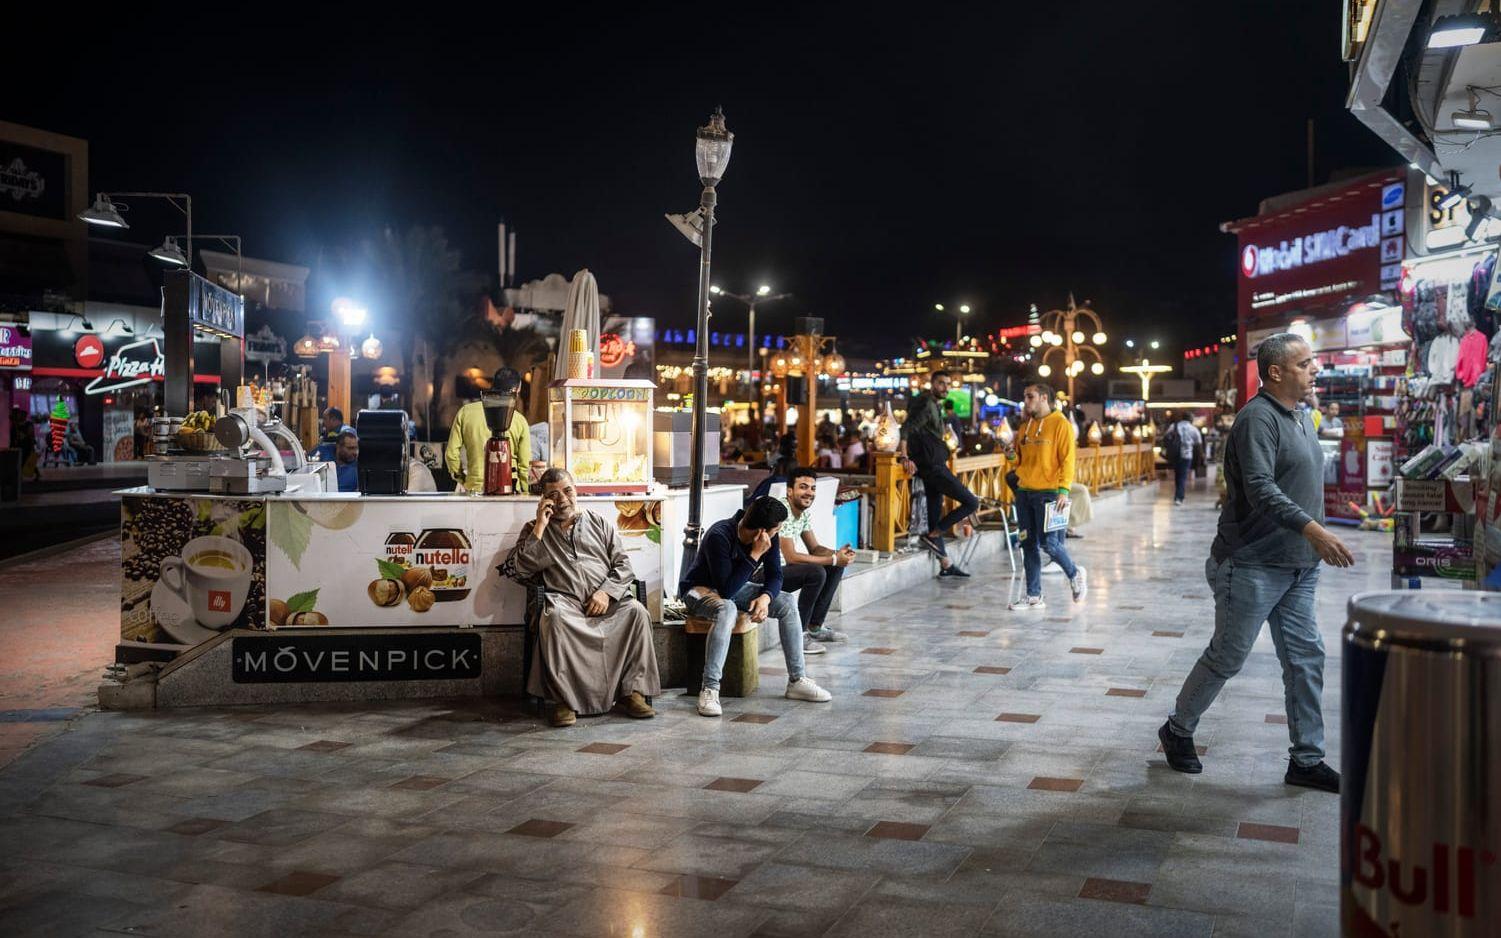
(471, 431)
(1045, 444)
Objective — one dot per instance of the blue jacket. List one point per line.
(349, 476)
(724, 566)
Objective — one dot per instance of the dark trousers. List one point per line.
(937, 482)
(815, 587)
(1181, 469)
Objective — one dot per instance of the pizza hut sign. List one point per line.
(132, 364)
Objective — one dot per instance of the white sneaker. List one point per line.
(827, 634)
(804, 689)
(811, 647)
(1028, 604)
(1079, 584)
(708, 702)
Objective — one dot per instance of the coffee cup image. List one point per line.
(212, 576)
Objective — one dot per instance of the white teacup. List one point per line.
(213, 577)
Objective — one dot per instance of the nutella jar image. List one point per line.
(399, 547)
(446, 552)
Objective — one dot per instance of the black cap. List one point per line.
(506, 379)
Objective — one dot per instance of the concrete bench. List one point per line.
(742, 665)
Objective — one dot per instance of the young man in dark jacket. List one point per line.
(926, 455)
(718, 586)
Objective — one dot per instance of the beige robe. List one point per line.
(586, 662)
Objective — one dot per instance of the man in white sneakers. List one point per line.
(1045, 449)
(718, 586)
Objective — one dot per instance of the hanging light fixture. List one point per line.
(833, 366)
(169, 253)
(306, 347)
(103, 213)
(371, 347)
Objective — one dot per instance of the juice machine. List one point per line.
(500, 466)
(601, 432)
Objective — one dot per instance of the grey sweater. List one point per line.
(1274, 480)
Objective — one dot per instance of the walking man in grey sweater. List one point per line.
(1264, 564)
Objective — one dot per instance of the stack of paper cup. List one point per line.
(578, 354)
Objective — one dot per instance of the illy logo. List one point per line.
(218, 600)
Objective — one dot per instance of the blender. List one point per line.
(499, 404)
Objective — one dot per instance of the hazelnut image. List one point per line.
(278, 612)
(417, 577)
(384, 592)
(307, 618)
(421, 599)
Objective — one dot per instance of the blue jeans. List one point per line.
(1031, 512)
(1246, 595)
(724, 613)
(1181, 469)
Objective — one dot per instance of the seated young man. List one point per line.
(810, 569)
(594, 646)
(718, 586)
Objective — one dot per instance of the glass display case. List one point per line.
(601, 433)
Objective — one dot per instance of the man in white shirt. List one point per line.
(809, 568)
(1187, 437)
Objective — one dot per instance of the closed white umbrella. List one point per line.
(581, 312)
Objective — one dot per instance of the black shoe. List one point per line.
(1180, 751)
(934, 543)
(953, 570)
(1318, 776)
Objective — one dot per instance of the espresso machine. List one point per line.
(500, 466)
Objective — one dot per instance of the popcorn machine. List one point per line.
(601, 433)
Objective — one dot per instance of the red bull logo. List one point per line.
(1446, 881)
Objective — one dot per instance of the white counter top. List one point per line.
(438, 497)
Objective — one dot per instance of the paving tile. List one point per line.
(299, 883)
(1162, 633)
(115, 780)
(1044, 783)
(882, 692)
(1200, 749)
(973, 633)
(324, 745)
(1086, 651)
(755, 717)
(734, 784)
(1125, 692)
(1115, 890)
(420, 783)
(891, 749)
(537, 827)
(604, 749)
(891, 918)
(991, 669)
(1019, 718)
(878, 651)
(192, 827)
(707, 888)
(897, 830)
(1272, 832)
(1278, 718)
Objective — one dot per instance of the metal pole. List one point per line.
(750, 364)
(694, 528)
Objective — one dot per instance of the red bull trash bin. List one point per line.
(1420, 805)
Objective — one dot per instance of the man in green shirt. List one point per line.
(471, 431)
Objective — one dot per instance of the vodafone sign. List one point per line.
(88, 351)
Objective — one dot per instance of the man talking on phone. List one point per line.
(719, 587)
(814, 571)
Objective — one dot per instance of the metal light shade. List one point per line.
(371, 347)
(328, 343)
(306, 347)
(103, 213)
(169, 253)
(712, 149)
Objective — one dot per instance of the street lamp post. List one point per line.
(763, 294)
(712, 154)
(958, 320)
(1063, 333)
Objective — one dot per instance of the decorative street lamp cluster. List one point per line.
(1072, 335)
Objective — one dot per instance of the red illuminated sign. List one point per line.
(89, 351)
(1017, 332)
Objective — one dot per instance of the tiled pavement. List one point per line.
(1004, 781)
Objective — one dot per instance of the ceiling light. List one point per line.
(103, 213)
(1466, 29)
(1473, 118)
(169, 253)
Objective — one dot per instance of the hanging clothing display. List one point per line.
(1470, 361)
(1443, 356)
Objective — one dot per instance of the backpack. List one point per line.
(1172, 443)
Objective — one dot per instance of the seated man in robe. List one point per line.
(594, 643)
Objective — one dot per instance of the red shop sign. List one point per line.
(88, 351)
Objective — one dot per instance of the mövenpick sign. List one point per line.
(1261, 260)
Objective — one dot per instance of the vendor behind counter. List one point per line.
(470, 432)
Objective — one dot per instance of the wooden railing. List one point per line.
(1096, 467)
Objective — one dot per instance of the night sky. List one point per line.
(997, 157)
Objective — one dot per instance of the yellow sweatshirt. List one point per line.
(1046, 450)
